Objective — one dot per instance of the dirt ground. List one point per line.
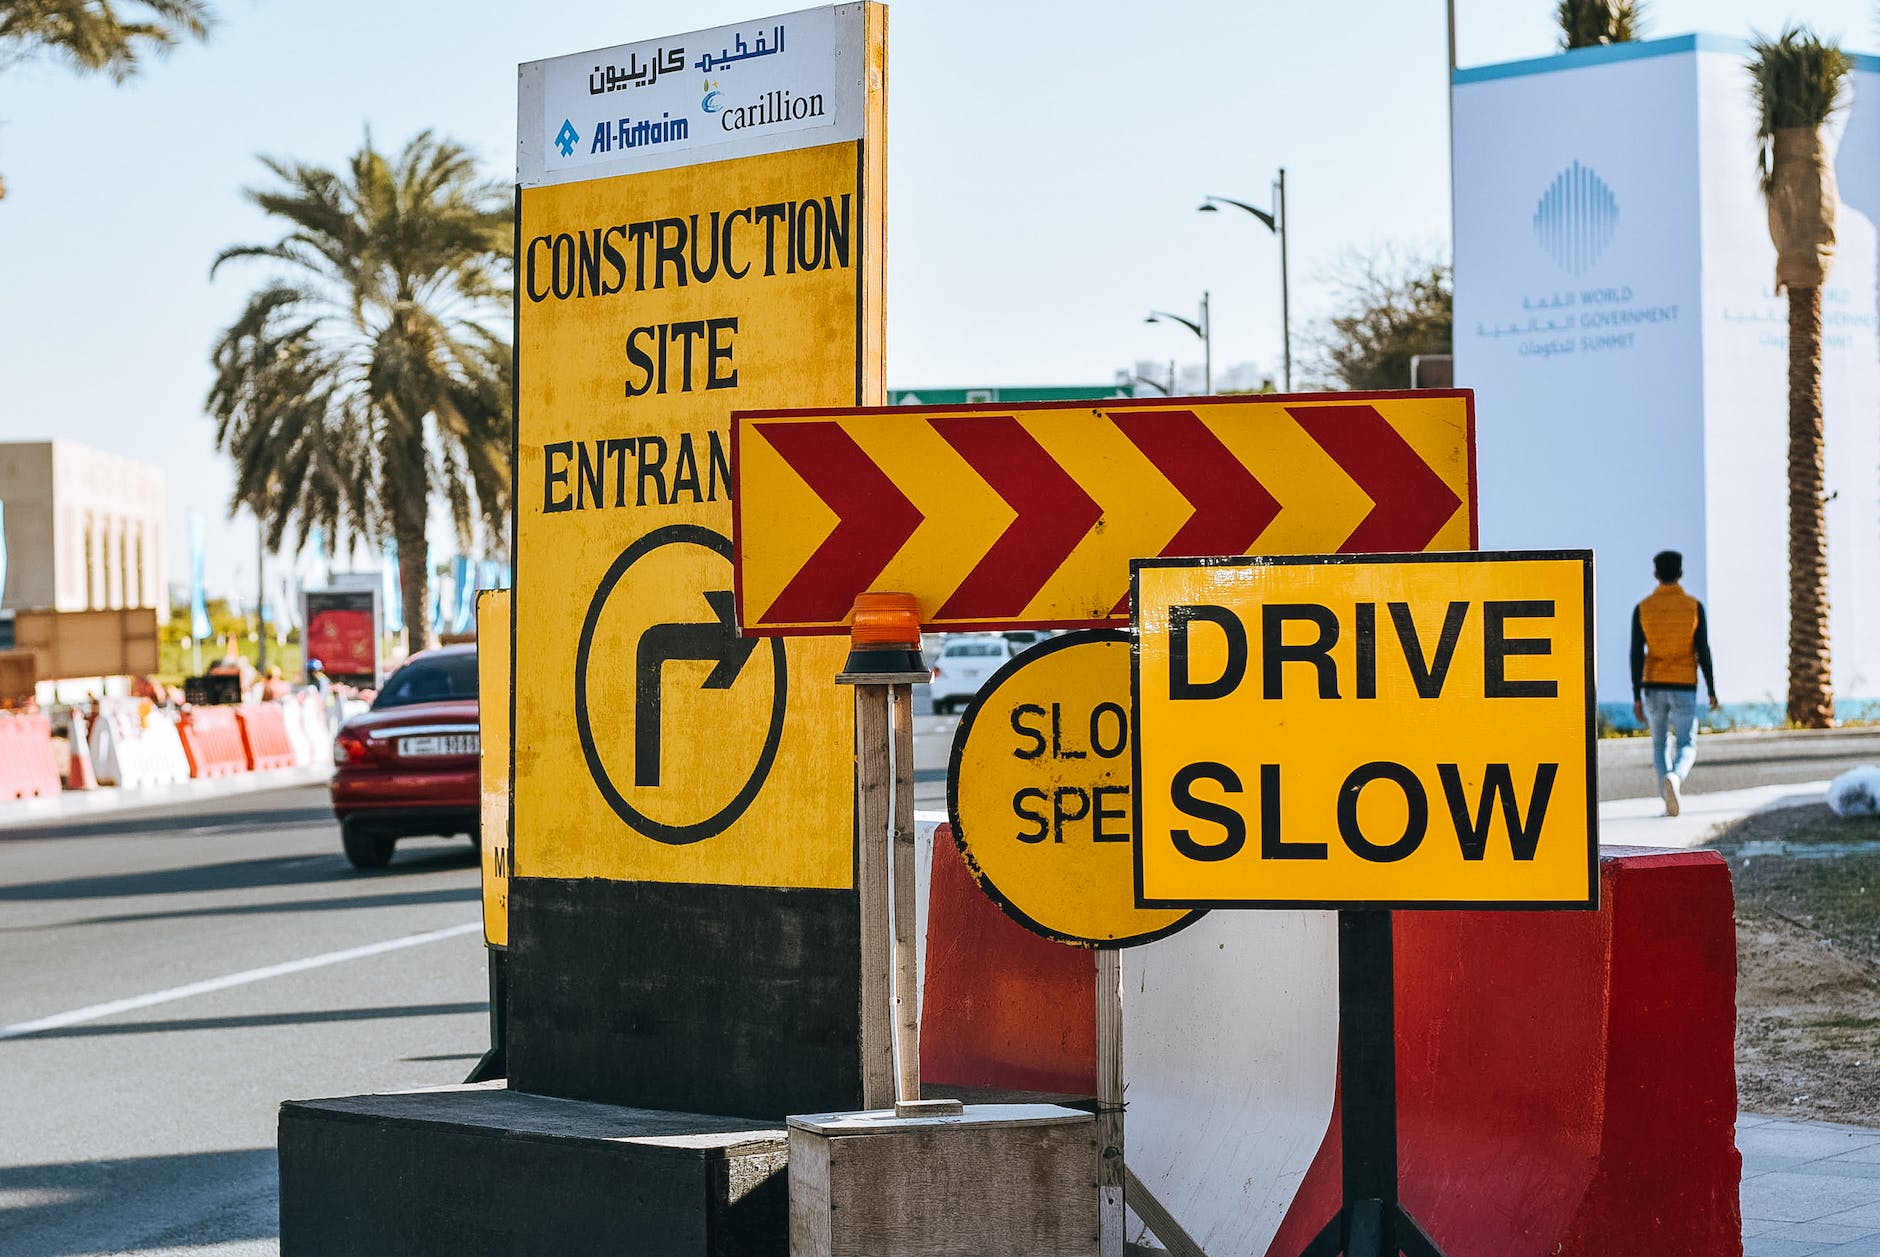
(1808, 964)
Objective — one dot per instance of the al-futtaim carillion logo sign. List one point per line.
(702, 88)
(1576, 218)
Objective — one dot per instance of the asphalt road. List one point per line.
(151, 1128)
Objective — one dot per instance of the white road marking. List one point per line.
(97, 1011)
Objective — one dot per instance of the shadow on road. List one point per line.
(247, 1021)
(295, 870)
(409, 899)
(79, 1207)
(144, 824)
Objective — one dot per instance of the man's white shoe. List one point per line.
(1669, 788)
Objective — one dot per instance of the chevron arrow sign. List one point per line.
(1026, 516)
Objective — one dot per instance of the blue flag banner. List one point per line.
(198, 605)
(438, 581)
(317, 566)
(394, 589)
(463, 576)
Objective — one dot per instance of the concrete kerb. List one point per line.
(73, 805)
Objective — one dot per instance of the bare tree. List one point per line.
(1389, 307)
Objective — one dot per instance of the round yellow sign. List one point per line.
(1042, 794)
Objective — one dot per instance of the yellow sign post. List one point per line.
(1041, 793)
(1366, 731)
(493, 629)
(700, 227)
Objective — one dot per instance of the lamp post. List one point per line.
(1202, 331)
(1275, 223)
(1167, 390)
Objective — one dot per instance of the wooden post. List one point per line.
(1109, 1102)
(873, 782)
(906, 962)
(884, 664)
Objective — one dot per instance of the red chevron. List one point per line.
(1411, 502)
(1054, 514)
(1231, 507)
(874, 520)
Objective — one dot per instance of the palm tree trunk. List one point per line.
(1811, 686)
(414, 576)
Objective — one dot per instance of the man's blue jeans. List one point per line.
(1672, 716)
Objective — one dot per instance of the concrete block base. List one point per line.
(999, 1180)
(482, 1169)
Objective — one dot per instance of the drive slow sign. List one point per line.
(1365, 731)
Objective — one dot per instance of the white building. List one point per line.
(83, 529)
(1616, 315)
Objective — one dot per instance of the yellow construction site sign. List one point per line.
(1366, 731)
(1041, 793)
(499, 848)
(667, 274)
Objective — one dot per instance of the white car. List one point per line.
(964, 664)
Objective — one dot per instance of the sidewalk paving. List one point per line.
(1810, 1189)
(70, 805)
(1643, 823)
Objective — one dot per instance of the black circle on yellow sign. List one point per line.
(1041, 793)
(724, 817)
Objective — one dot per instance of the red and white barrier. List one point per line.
(28, 768)
(134, 744)
(79, 774)
(265, 743)
(212, 741)
(308, 713)
(1566, 1083)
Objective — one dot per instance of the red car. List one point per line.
(409, 765)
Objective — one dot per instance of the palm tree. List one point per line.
(1586, 23)
(1798, 82)
(93, 37)
(365, 378)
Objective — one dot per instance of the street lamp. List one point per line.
(1132, 379)
(1275, 223)
(1201, 330)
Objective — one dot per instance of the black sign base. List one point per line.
(1372, 1221)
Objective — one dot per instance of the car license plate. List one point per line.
(440, 744)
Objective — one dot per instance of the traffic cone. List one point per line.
(80, 776)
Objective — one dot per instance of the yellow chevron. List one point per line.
(1141, 512)
(1319, 503)
(794, 521)
(962, 515)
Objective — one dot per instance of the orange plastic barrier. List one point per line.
(1566, 1083)
(1002, 1007)
(27, 767)
(212, 739)
(264, 736)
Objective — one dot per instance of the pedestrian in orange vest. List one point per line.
(1669, 644)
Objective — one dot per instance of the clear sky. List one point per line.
(1044, 165)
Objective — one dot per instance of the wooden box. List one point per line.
(1000, 1180)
